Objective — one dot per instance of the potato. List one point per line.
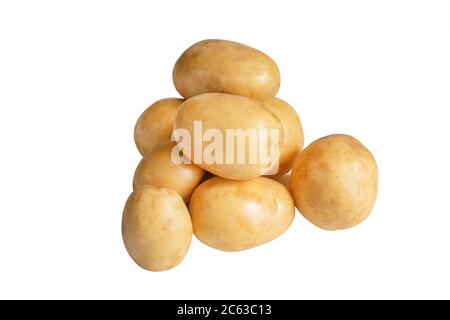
(155, 125)
(157, 168)
(227, 67)
(237, 215)
(293, 133)
(156, 228)
(284, 180)
(334, 182)
(218, 114)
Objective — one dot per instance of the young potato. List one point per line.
(227, 67)
(155, 124)
(222, 112)
(157, 168)
(156, 228)
(237, 215)
(334, 182)
(293, 133)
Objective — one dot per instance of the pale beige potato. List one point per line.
(293, 133)
(156, 228)
(334, 182)
(157, 168)
(220, 112)
(155, 124)
(236, 215)
(227, 67)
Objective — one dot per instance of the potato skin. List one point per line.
(227, 67)
(156, 168)
(285, 180)
(155, 124)
(237, 215)
(293, 133)
(156, 228)
(224, 111)
(334, 182)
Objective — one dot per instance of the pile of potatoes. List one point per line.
(234, 207)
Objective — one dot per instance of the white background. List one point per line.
(75, 76)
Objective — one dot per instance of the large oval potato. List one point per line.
(217, 114)
(227, 67)
(293, 133)
(157, 168)
(155, 124)
(156, 228)
(237, 215)
(334, 182)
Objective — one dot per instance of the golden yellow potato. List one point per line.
(334, 182)
(237, 215)
(218, 113)
(227, 67)
(156, 228)
(157, 168)
(155, 125)
(293, 133)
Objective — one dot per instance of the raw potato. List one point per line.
(284, 180)
(156, 168)
(293, 133)
(224, 111)
(237, 215)
(227, 67)
(156, 228)
(155, 124)
(233, 152)
(334, 182)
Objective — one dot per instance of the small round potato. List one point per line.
(157, 168)
(155, 125)
(237, 215)
(156, 228)
(227, 67)
(334, 182)
(293, 133)
(238, 121)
